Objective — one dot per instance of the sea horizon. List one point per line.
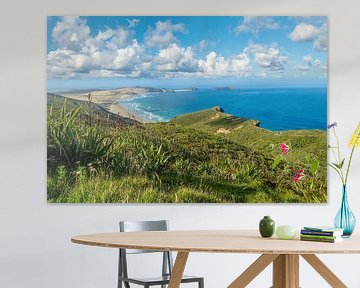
(277, 108)
(57, 89)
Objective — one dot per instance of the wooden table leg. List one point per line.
(279, 271)
(178, 270)
(253, 270)
(293, 262)
(324, 271)
(286, 271)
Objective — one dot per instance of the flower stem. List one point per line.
(338, 146)
(337, 171)
(340, 171)
(350, 159)
(348, 166)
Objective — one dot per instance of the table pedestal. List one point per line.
(285, 271)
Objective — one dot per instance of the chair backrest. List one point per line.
(133, 226)
(137, 226)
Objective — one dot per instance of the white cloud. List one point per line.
(304, 32)
(103, 36)
(126, 58)
(203, 44)
(176, 59)
(111, 53)
(109, 39)
(308, 59)
(308, 32)
(254, 24)
(267, 56)
(312, 66)
(120, 38)
(317, 63)
(303, 67)
(116, 53)
(315, 20)
(216, 65)
(163, 34)
(67, 63)
(71, 32)
(133, 22)
(321, 43)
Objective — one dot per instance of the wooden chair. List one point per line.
(167, 263)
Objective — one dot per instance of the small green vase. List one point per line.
(267, 227)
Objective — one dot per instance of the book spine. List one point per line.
(318, 239)
(319, 236)
(320, 233)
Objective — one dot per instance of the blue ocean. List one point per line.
(277, 109)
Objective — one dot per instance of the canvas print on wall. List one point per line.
(186, 109)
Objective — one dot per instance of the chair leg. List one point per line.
(165, 266)
(201, 283)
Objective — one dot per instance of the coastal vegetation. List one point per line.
(208, 156)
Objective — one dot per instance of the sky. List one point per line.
(185, 51)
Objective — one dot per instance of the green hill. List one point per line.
(89, 112)
(303, 143)
(204, 157)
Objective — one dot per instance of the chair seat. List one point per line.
(158, 280)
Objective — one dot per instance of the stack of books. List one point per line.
(321, 234)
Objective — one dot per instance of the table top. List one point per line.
(217, 241)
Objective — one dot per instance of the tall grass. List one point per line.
(158, 163)
(73, 143)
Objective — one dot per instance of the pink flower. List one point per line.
(284, 148)
(300, 172)
(298, 176)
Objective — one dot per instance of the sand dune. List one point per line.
(108, 99)
(122, 111)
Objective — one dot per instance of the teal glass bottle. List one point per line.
(345, 219)
(267, 227)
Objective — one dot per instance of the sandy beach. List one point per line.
(109, 99)
(122, 111)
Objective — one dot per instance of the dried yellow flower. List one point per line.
(355, 138)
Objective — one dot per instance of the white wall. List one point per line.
(35, 248)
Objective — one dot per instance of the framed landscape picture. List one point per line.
(184, 109)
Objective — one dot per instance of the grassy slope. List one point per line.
(244, 131)
(203, 166)
(99, 115)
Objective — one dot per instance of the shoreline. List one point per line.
(121, 110)
(113, 102)
(109, 100)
